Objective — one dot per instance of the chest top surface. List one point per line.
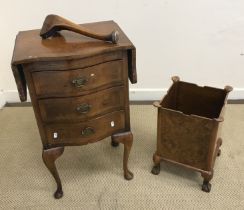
(67, 45)
(29, 46)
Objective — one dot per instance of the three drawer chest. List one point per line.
(78, 87)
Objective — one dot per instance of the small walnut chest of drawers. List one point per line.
(79, 89)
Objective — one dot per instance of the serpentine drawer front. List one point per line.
(75, 109)
(84, 132)
(74, 82)
(78, 88)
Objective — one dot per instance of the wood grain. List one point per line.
(189, 117)
(79, 89)
(71, 133)
(66, 109)
(60, 83)
(65, 47)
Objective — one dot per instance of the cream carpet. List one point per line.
(92, 175)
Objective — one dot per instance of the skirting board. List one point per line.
(2, 100)
(142, 94)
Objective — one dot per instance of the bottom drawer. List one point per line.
(84, 132)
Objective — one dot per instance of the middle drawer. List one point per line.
(76, 109)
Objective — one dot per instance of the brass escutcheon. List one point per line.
(83, 108)
(79, 82)
(87, 131)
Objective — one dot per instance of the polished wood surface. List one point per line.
(65, 47)
(125, 138)
(65, 44)
(78, 88)
(189, 117)
(69, 64)
(81, 108)
(66, 83)
(75, 133)
(49, 156)
(55, 23)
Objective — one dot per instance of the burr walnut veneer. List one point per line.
(78, 87)
(189, 119)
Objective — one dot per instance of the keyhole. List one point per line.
(112, 123)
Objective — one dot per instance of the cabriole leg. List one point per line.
(49, 156)
(113, 142)
(125, 138)
(206, 186)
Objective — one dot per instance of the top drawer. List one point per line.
(79, 81)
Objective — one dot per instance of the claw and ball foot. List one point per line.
(125, 138)
(206, 186)
(156, 168)
(49, 156)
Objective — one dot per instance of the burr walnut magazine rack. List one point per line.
(188, 130)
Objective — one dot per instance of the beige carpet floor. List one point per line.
(92, 175)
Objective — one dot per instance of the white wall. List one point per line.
(201, 41)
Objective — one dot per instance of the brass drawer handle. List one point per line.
(79, 82)
(83, 108)
(87, 131)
